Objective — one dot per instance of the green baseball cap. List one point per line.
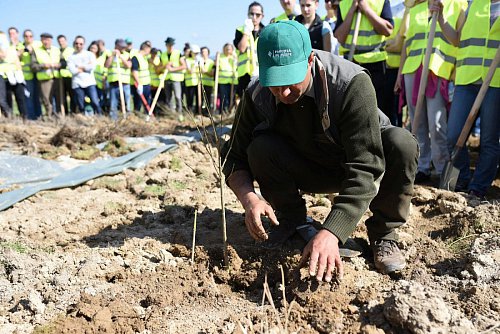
(283, 51)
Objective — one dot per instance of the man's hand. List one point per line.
(254, 209)
(323, 255)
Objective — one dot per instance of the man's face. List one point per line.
(170, 47)
(204, 53)
(62, 42)
(228, 50)
(28, 37)
(129, 47)
(101, 46)
(93, 48)
(147, 51)
(308, 8)
(47, 42)
(292, 93)
(78, 45)
(13, 35)
(288, 5)
(255, 13)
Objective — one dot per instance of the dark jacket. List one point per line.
(350, 120)
(315, 31)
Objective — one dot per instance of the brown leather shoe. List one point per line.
(387, 256)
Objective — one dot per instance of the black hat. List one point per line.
(46, 35)
(170, 40)
(120, 43)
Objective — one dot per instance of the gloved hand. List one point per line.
(248, 27)
(139, 89)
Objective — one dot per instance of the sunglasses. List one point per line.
(255, 14)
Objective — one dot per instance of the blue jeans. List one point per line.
(91, 92)
(33, 106)
(486, 167)
(114, 95)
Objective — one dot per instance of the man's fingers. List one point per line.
(340, 268)
(270, 214)
(313, 263)
(253, 229)
(321, 268)
(330, 269)
(305, 256)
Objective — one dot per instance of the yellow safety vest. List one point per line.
(144, 77)
(124, 72)
(443, 53)
(175, 59)
(100, 71)
(191, 78)
(26, 61)
(65, 73)
(206, 79)
(226, 70)
(247, 61)
(155, 78)
(393, 58)
(44, 56)
(370, 44)
(478, 45)
(282, 17)
(8, 64)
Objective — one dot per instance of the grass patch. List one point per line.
(178, 185)
(86, 152)
(175, 164)
(110, 183)
(16, 246)
(154, 190)
(117, 146)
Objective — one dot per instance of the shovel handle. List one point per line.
(216, 79)
(355, 36)
(477, 102)
(425, 73)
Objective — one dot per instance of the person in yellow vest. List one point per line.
(227, 76)
(477, 36)
(130, 47)
(172, 61)
(104, 93)
(15, 78)
(46, 62)
(291, 10)
(207, 78)
(376, 24)
(100, 72)
(153, 63)
(245, 40)
(141, 79)
(67, 91)
(192, 78)
(5, 109)
(118, 64)
(33, 106)
(431, 131)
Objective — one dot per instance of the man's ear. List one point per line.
(311, 58)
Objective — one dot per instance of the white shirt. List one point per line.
(85, 59)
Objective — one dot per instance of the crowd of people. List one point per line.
(390, 44)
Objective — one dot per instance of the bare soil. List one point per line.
(114, 255)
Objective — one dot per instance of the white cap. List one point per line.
(195, 48)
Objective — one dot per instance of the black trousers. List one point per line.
(18, 91)
(281, 172)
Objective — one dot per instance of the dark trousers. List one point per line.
(224, 97)
(146, 92)
(243, 82)
(191, 98)
(67, 91)
(377, 73)
(281, 172)
(18, 91)
(389, 103)
(4, 106)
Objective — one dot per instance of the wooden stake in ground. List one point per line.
(425, 73)
(62, 96)
(216, 79)
(194, 236)
(120, 86)
(355, 35)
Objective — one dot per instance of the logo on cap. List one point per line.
(280, 53)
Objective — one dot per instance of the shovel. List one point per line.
(450, 173)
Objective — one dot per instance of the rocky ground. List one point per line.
(114, 255)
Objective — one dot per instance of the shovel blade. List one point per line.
(449, 177)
